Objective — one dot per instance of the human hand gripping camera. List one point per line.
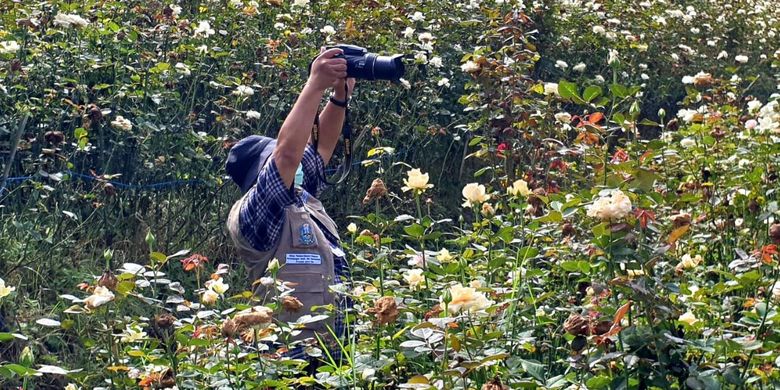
(279, 217)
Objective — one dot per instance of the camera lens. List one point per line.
(388, 67)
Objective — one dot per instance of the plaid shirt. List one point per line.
(261, 219)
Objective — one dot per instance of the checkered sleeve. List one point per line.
(313, 171)
(262, 214)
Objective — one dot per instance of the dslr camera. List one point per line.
(364, 65)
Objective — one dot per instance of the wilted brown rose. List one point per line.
(291, 304)
(108, 280)
(94, 113)
(54, 137)
(109, 189)
(680, 220)
(568, 229)
(495, 384)
(601, 327)
(385, 310)
(703, 80)
(229, 328)
(367, 233)
(774, 232)
(576, 325)
(376, 191)
(256, 316)
(164, 321)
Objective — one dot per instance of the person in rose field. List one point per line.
(279, 221)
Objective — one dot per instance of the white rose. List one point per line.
(550, 88)
(328, 30)
(688, 142)
(614, 206)
(474, 193)
(352, 228)
(121, 123)
(742, 59)
(470, 67)
(416, 181)
(9, 47)
(182, 68)
(100, 296)
(70, 20)
(466, 299)
(561, 64)
(579, 67)
(424, 37)
(252, 114)
(563, 117)
(436, 61)
(519, 188)
(415, 278)
(243, 90)
(204, 29)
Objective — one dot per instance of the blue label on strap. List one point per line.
(303, 259)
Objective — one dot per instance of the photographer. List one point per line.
(279, 216)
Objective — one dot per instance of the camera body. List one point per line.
(364, 65)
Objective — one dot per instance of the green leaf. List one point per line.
(476, 140)
(598, 382)
(591, 93)
(158, 257)
(20, 369)
(533, 368)
(568, 90)
(618, 91)
(6, 337)
(415, 230)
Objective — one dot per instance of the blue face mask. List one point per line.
(299, 175)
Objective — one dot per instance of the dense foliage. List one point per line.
(561, 194)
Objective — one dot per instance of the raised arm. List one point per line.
(296, 129)
(332, 118)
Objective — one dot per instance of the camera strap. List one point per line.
(346, 133)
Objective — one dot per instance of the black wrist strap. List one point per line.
(340, 103)
(346, 133)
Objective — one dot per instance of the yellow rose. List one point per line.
(688, 318)
(417, 181)
(415, 278)
(688, 262)
(474, 193)
(488, 210)
(466, 299)
(217, 286)
(519, 188)
(5, 290)
(209, 297)
(444, 256)
(132, 334)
